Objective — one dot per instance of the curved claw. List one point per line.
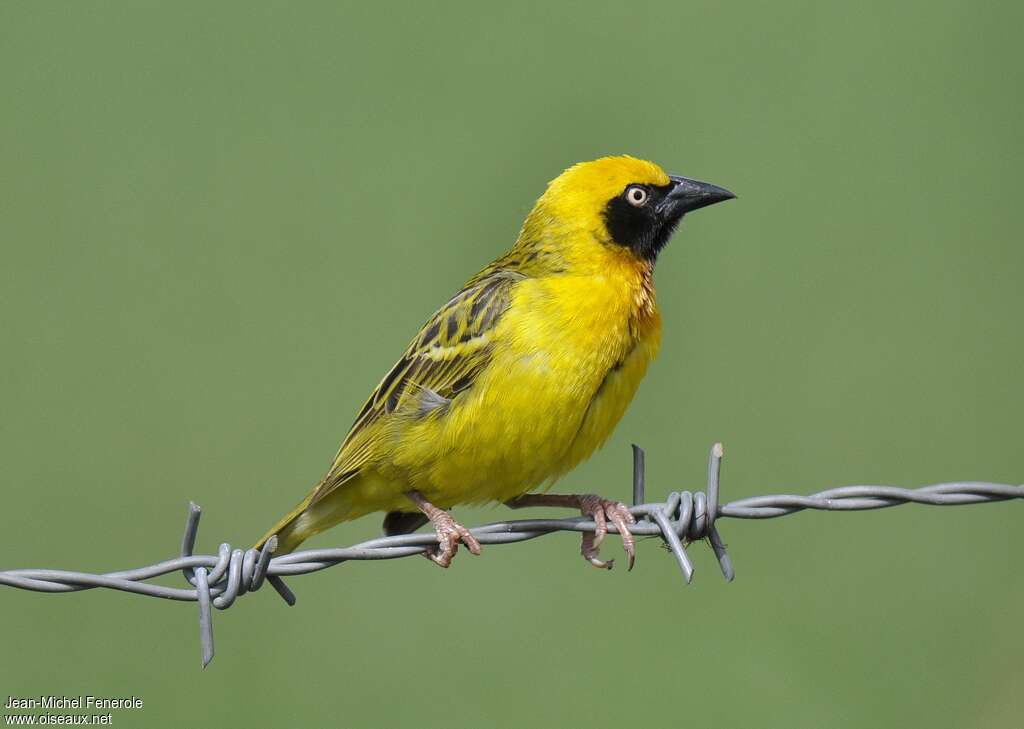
(449, 532)
(602, 511)
(620, 516)
(589, 550)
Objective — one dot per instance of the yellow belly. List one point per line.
(569, 355)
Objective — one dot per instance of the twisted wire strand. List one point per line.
(216, 581)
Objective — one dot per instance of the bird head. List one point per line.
(619, 202)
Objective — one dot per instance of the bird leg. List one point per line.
(600, 510)
(449, 532)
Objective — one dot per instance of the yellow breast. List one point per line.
(569, 355)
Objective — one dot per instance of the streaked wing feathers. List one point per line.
(444, 359)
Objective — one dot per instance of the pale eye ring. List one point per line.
(636, 196)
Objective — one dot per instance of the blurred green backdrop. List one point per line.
(221, 223)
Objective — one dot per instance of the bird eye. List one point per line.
(637, 196)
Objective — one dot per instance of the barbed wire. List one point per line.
(684, 517)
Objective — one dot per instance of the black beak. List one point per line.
(688, 195)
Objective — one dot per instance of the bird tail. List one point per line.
(312, 515)
(288, 532)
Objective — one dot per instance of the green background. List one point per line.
(220, 225)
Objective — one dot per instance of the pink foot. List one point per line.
(601, 511)
(449, 532)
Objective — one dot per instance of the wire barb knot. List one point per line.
(686, 517)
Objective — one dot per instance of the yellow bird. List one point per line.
(524, 372)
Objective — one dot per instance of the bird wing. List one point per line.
(445, 358)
